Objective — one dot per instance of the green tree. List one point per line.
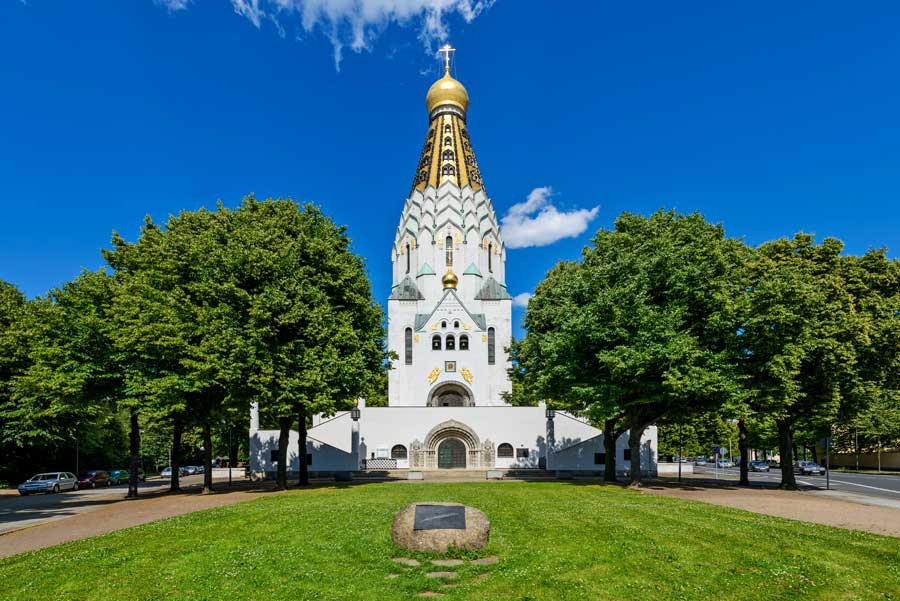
(637, 328)
(316, 334)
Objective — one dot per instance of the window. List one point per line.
(408, 341)
(505, 450)
(436, 342)
(448, 155)
(398, 451)
(599, 458)
(626, 455)
(492, 354)
(463, 342)
(456, 324)
(448, 141)
(309, 459)
(444, 325)
(451, 343)
(521, 453)
(273, 455)
(407, 258)
(490, 257)
(447, 128)
(448, 170)
(448, 250)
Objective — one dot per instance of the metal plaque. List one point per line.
(440, 517)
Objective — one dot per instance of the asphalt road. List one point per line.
(876, 486)
(17, 512)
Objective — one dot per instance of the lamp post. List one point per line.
(355, 414)
(550, 413)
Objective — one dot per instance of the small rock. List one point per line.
(441, 575)
(486, 561)
(392, 576)
(447, 563)
(407, 561)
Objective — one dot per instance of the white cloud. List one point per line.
(521, 300)
(536, 222)
(354, 24)
(173, 5)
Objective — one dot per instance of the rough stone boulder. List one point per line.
(436, 527)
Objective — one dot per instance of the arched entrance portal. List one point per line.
(450, 394)
(451, 454)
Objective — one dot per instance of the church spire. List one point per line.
(447, 155)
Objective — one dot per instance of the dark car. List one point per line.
(758, 466)
(808, 468)
(122, 476)
(93, 479)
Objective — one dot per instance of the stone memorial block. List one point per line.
(435, 527)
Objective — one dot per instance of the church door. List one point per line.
(451, 454)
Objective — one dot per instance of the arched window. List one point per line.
(398, 451)
(492, 355)
(456, 324)
(448, 141)
(436, 342)
(463, 342)
(448, 155)
(444, 325)
(490, 257)
(448, 247)
(450, 345)
(447, 128)
(448, 170)
(407, 258)
(408, 340)
(505, 450)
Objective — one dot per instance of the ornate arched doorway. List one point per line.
(451, 454)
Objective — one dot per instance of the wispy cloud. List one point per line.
(521, 300)
(536, 222)
(173, 5)
(354, 24)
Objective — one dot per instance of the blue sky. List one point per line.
(769, 119)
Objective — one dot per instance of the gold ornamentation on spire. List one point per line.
(450, 280)
(467, 375)
(433, 375)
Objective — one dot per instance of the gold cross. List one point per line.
(446, 49)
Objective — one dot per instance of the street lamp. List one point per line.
(550, 413)
(355, 413)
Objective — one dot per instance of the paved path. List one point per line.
(106, 511)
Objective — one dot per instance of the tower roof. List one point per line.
(447, 155)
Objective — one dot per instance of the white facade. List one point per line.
(449, 322)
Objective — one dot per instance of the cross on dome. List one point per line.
(446, 49)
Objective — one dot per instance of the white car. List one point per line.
(49, 482)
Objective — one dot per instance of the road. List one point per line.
(17, 512)
(870, 486)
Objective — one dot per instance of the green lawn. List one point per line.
(555, 541)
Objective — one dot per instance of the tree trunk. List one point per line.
(284, 439)
(177, 430)
(207, 458)
(135, 444)
(304, 467)
(744, 450)
(786, 448)
(879, 454)
(635, 431)
(815, 454)
(609, 447)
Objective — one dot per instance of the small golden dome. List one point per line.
(447, 90)
(449, 280)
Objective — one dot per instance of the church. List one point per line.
(449, 323)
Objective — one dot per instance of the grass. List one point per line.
(555, 541)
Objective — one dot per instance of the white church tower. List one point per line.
(449, 313)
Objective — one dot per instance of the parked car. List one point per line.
(758, 466)
(167, 472)
(724, 463)
(93, 479)
(122, 476)
(50, 482)
(808, 468)
(700, 461)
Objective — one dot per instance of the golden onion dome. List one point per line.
(447, 90)
(449, 280)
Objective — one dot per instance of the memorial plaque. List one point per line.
(440, 517)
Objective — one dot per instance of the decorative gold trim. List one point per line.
(433, 375)
(416, 338)
(467, 375)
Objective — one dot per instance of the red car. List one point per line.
(93, 479)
